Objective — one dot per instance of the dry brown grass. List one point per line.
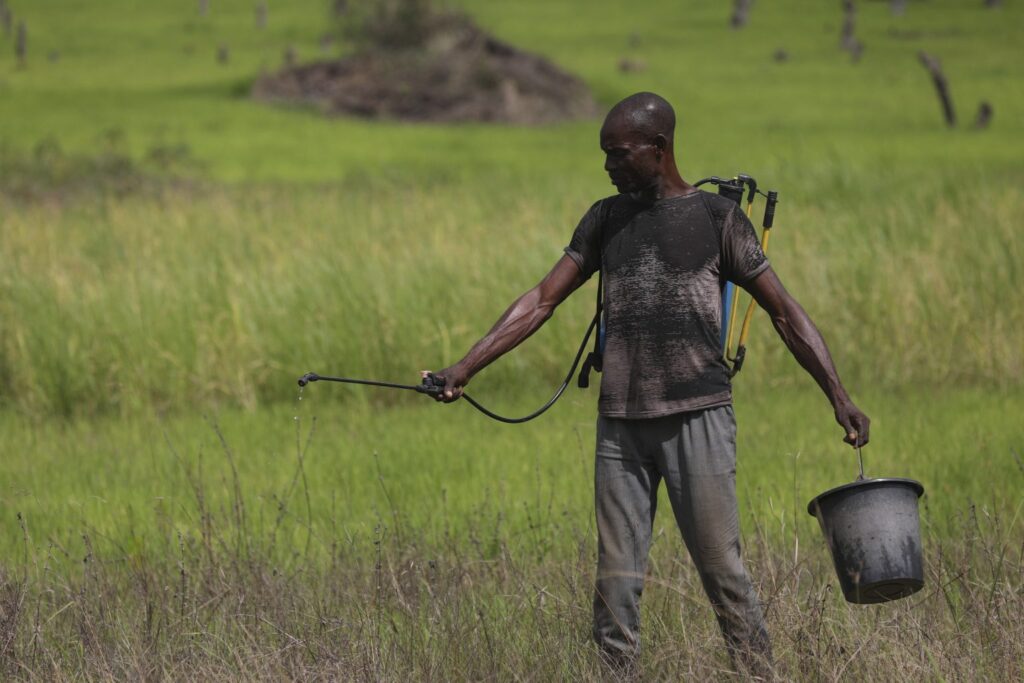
(252, 594)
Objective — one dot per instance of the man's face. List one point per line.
(631, 161)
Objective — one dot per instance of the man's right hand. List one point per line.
(455, 380)
(523, 318)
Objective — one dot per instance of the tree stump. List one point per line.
(941, 85)
(740, 13)
(848, 39)
(21, 45)
(847, 35)
(261, 15)
(223, 54)
(204, 7)
(984, 117)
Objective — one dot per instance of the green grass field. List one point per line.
(173, 255)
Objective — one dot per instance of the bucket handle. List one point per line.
(860, 461)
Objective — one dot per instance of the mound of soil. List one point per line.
(459, 73)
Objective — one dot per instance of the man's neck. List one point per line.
(665, 187)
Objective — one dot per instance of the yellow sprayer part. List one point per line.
(732, 306)
(749, 315)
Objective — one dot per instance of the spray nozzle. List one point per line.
(307, 378)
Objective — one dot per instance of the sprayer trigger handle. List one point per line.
(433, 385)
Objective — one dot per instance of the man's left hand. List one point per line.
(856, 424)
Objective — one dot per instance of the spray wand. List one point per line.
(433, 385)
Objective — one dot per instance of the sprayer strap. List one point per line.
(594, 359)
(598, 311)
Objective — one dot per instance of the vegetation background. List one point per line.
(173, 255)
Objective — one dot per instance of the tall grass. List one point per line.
(222, 296)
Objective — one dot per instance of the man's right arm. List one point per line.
(523, 318)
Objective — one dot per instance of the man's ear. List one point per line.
(660, 145)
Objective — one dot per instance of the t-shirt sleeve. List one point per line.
(742, 256)
(585, 246)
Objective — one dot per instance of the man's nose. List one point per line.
(608, 163)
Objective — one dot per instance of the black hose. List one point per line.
(435, 389)
(558, 394)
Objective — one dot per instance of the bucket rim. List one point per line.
(912, 483)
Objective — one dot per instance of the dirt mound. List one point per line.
(459, 73)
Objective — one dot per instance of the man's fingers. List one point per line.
(855, 424)
(863, 424)
(861, 436)
(452, 390)
(450, 382)
(856, 439)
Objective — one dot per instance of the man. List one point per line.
(665, 249)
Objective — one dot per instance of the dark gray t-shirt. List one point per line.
(664, 268)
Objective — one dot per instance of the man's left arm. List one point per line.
(808, 347)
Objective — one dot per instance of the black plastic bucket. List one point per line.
(874, 533)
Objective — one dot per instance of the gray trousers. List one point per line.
(695, 454)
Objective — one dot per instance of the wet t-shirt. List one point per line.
(664, 266)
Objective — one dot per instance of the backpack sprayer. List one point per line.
(433, 385)
(733, 189)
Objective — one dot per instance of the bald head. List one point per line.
(645, 114)
(637, 142)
